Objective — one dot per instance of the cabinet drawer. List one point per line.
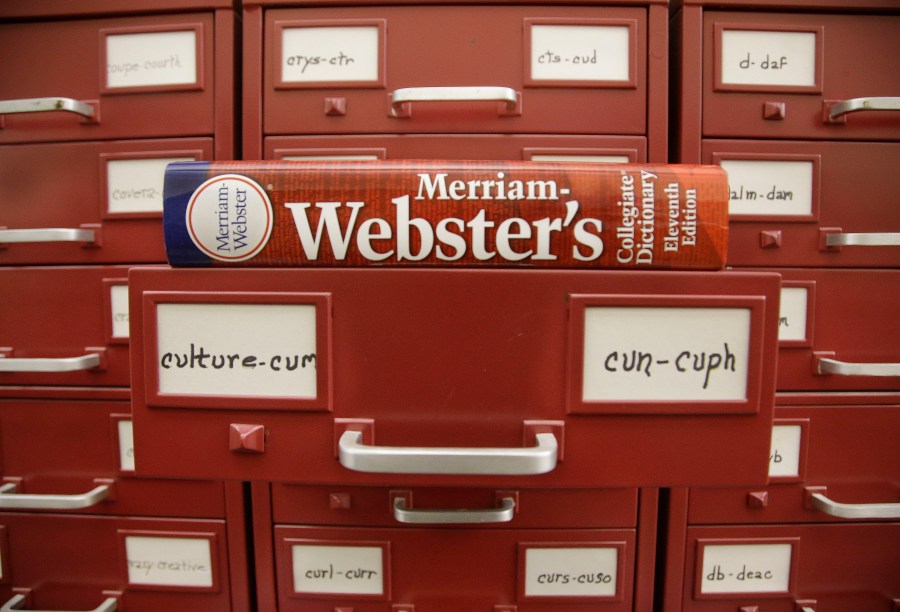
(70, 447)
(134, 77)
(838, 331)
(536, 147)
(379, 368)
(100, 201)
(76, 563)
(810, 76)
(783, 567)
(796, 203)
(499, 69)
(378, 506)
(805, 460)
(66, 326)
(322, 569)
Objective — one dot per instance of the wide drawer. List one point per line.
(838, 330)
(78, 563)
(531, 147)
(432, 570)
(436, 69)
(813, 203)
(64, 325)
(87, 203)
(340, 505)
(130, 77)
(809, 75)
(468, 377)
(857, 483)
(59, 453)
(782, 568)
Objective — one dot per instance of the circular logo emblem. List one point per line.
(229, 218)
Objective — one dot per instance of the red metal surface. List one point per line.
(38, 69)
(409, 365)
(851, 450)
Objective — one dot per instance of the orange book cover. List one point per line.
(446, 213)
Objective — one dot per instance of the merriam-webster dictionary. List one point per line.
(446, 213)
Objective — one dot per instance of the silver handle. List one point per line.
(862, 239)
(843, 368)
(854, 511)
(452, 94)
(54, 234)
(539, 459)
(44, 105)
(110, 604)
(10, 500)
(853, 105)
(44, 364)
(503, 514)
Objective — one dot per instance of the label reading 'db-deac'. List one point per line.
(746, 568)
(259, 350)
(663, 353)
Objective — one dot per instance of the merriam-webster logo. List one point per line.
(229, 217)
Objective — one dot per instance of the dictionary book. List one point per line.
(445, 213)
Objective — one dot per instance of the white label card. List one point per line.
(136, 185)
(663, 353)
(350, 570)
(768, 187)
(792, 319)
(260, 350)
(756, 57)
(784, 458)
(571, 572)
(118, 299)
(126, 445)
(580, 53)
(330, 53)
(164, 561)
(151, 59)
(746, 568)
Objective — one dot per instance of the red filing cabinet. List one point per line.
(95, 100)
(455, 81)
(832, 502)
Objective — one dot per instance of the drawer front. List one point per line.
(805, 460)
(106, 196)
(76, 563)
(69, 448)
(508, 69)
(501, 508)
(533, 147)
(337, 360)
(784, 567)
(321, 569)
(135, 77)
(66, 326)
(815, 76)
(815, 203)
(838, 331)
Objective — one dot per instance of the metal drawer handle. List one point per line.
(866, 239)
(853, 511)
(452, 94)
(43, 105)
(539, 459)
(844, 368)
(45, 364)
(503, 514)
(53, 234)
(9, 499)
(17, 602)
(853, 105)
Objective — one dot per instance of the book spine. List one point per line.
(446, 213)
